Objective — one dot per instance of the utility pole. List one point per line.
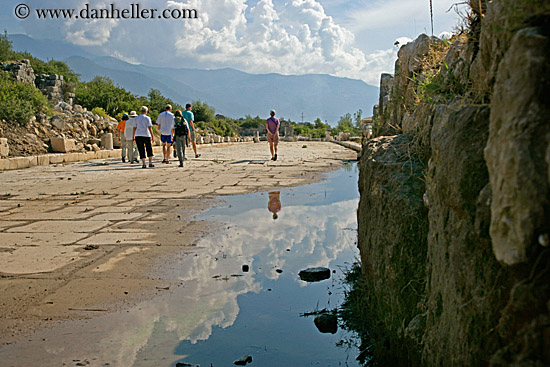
(302, 117)
(432, 17)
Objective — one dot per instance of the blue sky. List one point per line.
(347, 38)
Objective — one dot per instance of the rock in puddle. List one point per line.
(326, 323)
(183, 364)
(243, 360)
(314, 274)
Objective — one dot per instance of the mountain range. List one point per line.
(230, 92)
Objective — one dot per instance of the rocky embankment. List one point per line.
(454, 215)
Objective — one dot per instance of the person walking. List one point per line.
(143, 136)
(165, 120)
(274, 203)
(189, 117)
(272, 125)
(181, 136)
(131, 148)
(121, 137)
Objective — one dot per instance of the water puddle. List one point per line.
(242, 292)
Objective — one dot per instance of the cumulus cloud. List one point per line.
(295, 38)
(263, 36)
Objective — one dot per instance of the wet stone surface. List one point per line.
(177, 279)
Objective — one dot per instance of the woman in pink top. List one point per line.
(272, 126)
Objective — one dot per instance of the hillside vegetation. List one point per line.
(20, 102)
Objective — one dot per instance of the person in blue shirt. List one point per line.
(189, 117)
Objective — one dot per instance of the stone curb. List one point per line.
(348, 144)
(57, 158)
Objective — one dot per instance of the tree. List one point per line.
(102, 92)
(357, 117)
(6, 48)
(203, 112)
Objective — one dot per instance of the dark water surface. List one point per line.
(223, 312)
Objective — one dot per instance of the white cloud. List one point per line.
(90, 33)
(296, 38)
(257, 36)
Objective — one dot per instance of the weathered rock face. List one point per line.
(463, 307)
(518, 141)
(409, 67)
(481, 265)
(386, 83)
(392, 232)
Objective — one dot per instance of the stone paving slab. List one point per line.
(32, 260)
(61, 226)
(4, 224)
(37, 239)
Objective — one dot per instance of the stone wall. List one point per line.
(21, 70)
(51, 85)
(476, 154)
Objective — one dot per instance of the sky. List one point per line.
(345, 38)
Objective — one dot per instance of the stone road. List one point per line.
(88, 237)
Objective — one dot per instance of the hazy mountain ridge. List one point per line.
(231, 92)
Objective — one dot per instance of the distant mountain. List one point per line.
(46, 49)
(231, 92)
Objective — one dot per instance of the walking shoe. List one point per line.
(123, 159)
(275, 157)
(175, 154)
(197, 155)
(144, 166)
(180, 165)
(164, 161)
(151, 165)
(135, 161)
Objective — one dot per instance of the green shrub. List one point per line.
(99, 111)
(19, 102)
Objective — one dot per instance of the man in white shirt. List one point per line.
(143, 136)
(165, 120)
(128, 134)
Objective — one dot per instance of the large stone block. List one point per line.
(20, 162)
(4, 148)
(43, 160)
(56, 158)
(519, 138)
(62, 145)
(107, 141)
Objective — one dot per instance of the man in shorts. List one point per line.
(165, 120)
(189, 117)
(272, 125)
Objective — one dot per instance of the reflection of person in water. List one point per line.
(274, 204)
